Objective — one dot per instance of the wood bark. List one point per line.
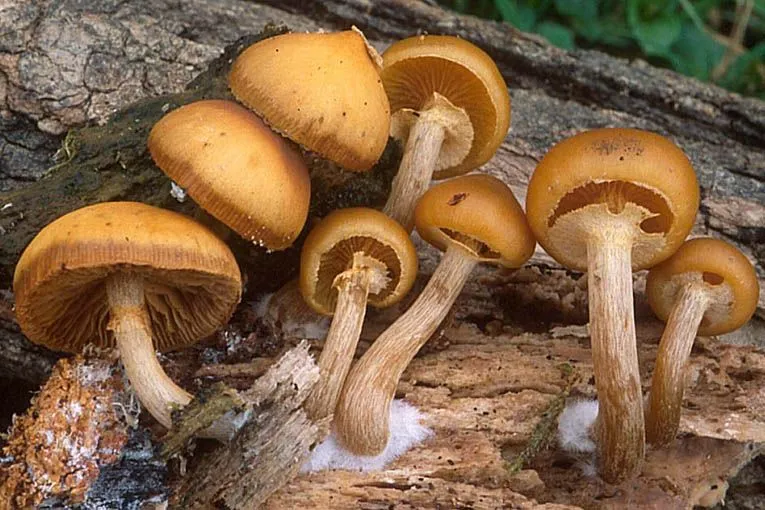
(482, 382)
(268, 450)
(115, 53)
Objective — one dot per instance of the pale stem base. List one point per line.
(620, 429)
(362, 414)
(668, 381)
(130, 323)
(415, 171)
(353, 287)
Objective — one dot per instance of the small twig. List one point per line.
(253, 369)
(743, 14)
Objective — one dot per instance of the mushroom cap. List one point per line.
(322, 90)
(479, 213)
(727, 276)
(416, 68)
(192, 281)
(228, 161)
(615, 167)
(329, 250)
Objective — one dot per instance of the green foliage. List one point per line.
(694, 37)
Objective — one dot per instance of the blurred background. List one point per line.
(720, 41)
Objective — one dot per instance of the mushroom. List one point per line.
(353, 257)
(322, 90)
(451, 108)
(707, 287)
(610, 202)
(473, 219)
(227, 159)
(130, 275)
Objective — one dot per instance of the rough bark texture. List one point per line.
(270, 447)
(482, 382)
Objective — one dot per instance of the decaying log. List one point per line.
(485, 382)
(76, 425)
(114, 54)
(484, 392)
(269, 448)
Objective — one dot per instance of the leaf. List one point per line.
(557, 34)
(695, 53)
(743, 75)
(520, 16)
(657, 35)
(578, 9)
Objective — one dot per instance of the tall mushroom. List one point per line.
(450, 105)
(474, 219)
(322, 90)
(353, 257)
(610, 202)
(130, 275)
(228, 160)
(707, 287)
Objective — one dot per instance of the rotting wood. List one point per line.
(555, 94)
(77, 424)
(269, 448)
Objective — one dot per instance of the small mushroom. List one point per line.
(707, 287)
(474, 219)
(228, 160)
(322, 90)
(610, 202)
(130, 275)
(450, 106)
(354, 257)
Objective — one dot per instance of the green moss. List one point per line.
(545, 430)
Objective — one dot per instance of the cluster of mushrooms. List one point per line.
(607, 201)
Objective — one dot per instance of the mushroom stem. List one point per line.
(362, 414)
(667, 383)
(620, 428)
(353, 287)
(129, 321)
(416, 169)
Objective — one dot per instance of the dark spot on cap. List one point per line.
(456, 199)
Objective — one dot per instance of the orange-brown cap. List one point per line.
(192, 281)
(236, 169)
(330, 247)
(321, 90)
(615, 167)
(726, 275)
(480, 213)
(416, 68)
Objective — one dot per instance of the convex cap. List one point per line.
(416, 68)
(479, 213)
(236, 169)
(192, 281)
(727, 276)
(322, 90)
(616, 167)
(329, 250)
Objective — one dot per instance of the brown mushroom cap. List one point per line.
(614, 167)
(236, 169)
(416, 68)
(321, 90)
(192, 281)
(329, 249)
(479, 213)
(728, 277)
